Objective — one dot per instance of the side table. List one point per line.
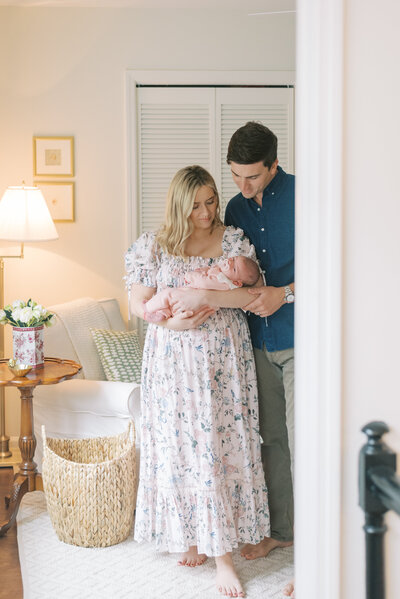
(27, 479)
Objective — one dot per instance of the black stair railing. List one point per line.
(379, 491)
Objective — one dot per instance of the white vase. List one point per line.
(28, 346)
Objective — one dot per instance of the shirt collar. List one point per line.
(276, 183)
(273, 188)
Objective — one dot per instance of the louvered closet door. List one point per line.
(179, 126)
(175, 129)
(234, 107)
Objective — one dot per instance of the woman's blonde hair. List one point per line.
(180, 199)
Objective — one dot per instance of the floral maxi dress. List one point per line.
(201, 478)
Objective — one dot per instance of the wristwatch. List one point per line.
(289, 295)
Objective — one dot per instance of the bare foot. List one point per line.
(263, 548)
(227, 580)
(192, 558)
(288, 591)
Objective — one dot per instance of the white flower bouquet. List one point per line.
(26, 314)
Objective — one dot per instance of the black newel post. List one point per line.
(374, 454)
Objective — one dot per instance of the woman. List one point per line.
(201, 489)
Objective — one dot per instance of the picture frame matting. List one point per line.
(60, 199)
(53, 156)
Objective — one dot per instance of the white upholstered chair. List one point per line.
(87, 406)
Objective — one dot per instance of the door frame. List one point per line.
(319, 279)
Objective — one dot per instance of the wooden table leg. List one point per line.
(27, 439)
(25, 479)
(20, 487)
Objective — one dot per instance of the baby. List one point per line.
(229, 274)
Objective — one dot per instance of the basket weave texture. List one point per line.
(89, 486)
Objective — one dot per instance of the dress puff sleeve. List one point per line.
(235, 243)
(142, 262)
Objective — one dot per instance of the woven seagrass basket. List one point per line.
(90, 487)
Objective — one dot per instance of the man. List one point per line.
(264, 209)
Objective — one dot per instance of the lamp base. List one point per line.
(4, 447)
(14, 460)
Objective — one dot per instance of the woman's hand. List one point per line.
(185, 299)
(180, 323)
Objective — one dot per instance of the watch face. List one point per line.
(289, 295)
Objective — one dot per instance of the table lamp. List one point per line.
(24, 217)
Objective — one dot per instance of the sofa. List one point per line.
(88, 405)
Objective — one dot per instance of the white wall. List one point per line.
(62, 72)
(371, 328)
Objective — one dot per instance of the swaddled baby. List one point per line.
(231, 273)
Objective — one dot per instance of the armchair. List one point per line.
(89, 405)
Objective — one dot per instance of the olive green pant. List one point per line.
(275, 377)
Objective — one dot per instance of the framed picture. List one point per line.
(53, 156)
(59, 196)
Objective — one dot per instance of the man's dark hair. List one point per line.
(253, 143)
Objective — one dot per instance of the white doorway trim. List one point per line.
(318, 297)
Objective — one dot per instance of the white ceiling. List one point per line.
(248, 6)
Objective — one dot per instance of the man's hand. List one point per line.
(180, 323)
(266, 301)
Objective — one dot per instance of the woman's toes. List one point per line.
(191, 558)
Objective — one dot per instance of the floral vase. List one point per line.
(28, 346)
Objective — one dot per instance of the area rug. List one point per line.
(54, 570)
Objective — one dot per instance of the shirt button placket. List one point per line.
(262, 229)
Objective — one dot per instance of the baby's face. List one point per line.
(233, 268)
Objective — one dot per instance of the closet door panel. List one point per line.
(175, 129)
(273, 107)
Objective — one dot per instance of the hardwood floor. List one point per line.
(10, 574)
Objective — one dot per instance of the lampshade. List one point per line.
(24, 216)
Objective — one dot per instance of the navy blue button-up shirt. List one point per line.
(270, 228)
